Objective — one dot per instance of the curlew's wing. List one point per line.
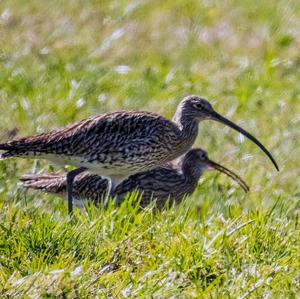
(159, 183)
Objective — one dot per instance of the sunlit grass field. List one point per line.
(62, 61)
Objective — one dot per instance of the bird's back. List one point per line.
(159, 184)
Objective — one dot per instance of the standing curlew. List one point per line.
(117, 145)
(172, 182)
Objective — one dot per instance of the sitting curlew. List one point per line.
(172, 182)
(117, 145)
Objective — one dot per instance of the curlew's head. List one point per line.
(196, 161)
(195, 107)
(198, 108)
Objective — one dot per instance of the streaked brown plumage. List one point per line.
(162, 183)
(117, 145)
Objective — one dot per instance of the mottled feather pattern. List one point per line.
(128, 141)
(161, 183)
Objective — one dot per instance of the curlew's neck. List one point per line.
(188, 127)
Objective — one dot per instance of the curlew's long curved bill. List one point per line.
(217, 117)
(230, 173)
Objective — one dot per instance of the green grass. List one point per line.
(61, 62)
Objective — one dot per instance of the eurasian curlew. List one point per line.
(172, 182)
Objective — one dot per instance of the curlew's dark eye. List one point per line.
(203, 157)
(198, 106)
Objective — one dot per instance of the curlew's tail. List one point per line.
(10, 154)
(10, 151)
(86, 186)
(49, 183)
(19, 148)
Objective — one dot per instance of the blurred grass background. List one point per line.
(63, 61)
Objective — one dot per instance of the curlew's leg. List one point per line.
(113, 182)
(110, 189)
(70, 179)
